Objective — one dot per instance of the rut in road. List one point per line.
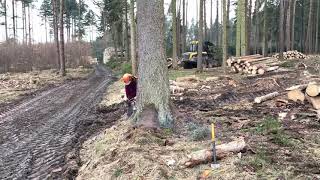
(36, 135)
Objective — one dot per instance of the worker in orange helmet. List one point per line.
(130, 82)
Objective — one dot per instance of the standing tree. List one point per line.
(317, 28)
(293, 23)
(205, 20)
(62, 55)
(288, 26)
(200, 36)
(153, 87)
(13, 20)
(225, 34)
(265, 30)
(249, 6)
(174, 34)
(56, 30)
(5, 18)
(126, 33)
(281, 35)
(241, 45)
(133, 39)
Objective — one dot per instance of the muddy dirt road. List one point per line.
(37, 134)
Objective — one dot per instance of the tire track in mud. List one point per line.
(36, 135)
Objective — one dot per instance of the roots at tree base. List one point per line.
(149, 117)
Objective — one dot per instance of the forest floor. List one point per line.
(41, 133)
(277, 147)
(16, 87)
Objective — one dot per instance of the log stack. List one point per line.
(309, 92)
(252, 64)
(291, 55)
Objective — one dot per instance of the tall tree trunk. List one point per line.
(281, 35)
(6, 20)
(133, 39)
(265, 30)
(228, 24)
(55, 30)
(238, 30)
(153, 88)
(308, 42)
(243, 28)
(23, 25)
(13, 20)
(126, 31)
(317, 29)
(205, 21)
(211, 21)
(79, 22)
(302, 49)
(29, 21)
(62, 55)
(288, 26)
(293, 23)
(225, 36)
(174, 34)
(217, 25)
(200, 35)
(256, 34)
(249, 27)
(184, 30)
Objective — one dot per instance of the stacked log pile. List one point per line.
(291, 55)
(309, 92)
(253, 64)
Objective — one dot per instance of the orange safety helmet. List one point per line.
(127, 78)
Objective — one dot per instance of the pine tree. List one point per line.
(200, 36)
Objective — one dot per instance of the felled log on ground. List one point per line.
(315, 101)
(313, 90)
(296, 95)
(267, 97)
(205, 155)
(300, 87)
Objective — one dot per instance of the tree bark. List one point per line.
(6, 20)
(184, 28)
(288, 26)
(281, 22)
(174, 34)
(256, 34)
(249, 27)
(243, 28)
(126, 32)
(293, 23)
(317, 28)
(211, 21)
(200, 36)
(62, 55)
(238, 30)
(225, 36)
(308, 42)
(265, 31)
(217, 25)
(153, 87)
(55, 30)
(13, 20)
(205, 20)
(133, 39)
(29, 21)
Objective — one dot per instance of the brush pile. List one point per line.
(291, 55)
(309, 92)
(253, 64)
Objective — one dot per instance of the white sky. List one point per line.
(38, 30)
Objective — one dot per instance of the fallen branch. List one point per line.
(205, 155)
(261, 99)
